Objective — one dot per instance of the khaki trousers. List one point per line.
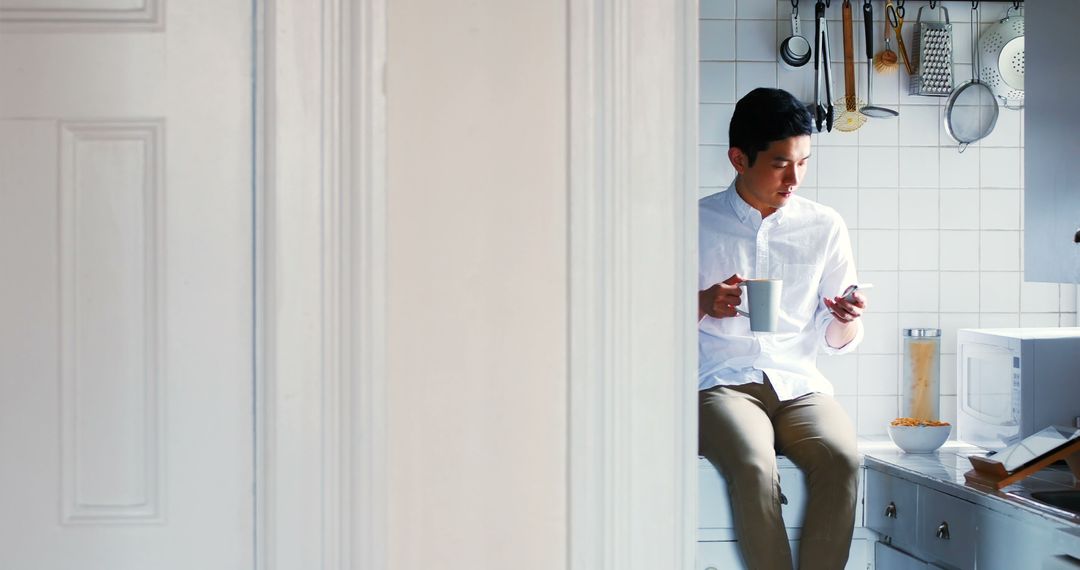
(741, 429)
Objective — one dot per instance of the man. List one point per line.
(761, 393)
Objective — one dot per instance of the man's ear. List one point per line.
(738, 159)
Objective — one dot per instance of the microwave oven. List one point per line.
(1012, 383)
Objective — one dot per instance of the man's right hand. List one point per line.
(720, 300)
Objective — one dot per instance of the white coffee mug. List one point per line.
(764, 303)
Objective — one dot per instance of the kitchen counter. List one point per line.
(944, 471)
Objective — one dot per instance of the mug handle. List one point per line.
(738, 310)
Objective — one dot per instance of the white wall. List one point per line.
(936, 231)
(477, 230)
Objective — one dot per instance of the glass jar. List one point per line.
(920, 391)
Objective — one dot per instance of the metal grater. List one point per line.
(933, 51)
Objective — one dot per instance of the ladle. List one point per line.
(871, 110)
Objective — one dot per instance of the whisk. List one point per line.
(885, 60)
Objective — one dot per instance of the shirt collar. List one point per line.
(747, 213)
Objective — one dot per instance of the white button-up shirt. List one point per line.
(806, 245)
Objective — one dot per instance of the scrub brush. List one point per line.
(885, 61)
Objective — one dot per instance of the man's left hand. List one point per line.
(844, 310)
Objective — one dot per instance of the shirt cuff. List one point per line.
(849, 347)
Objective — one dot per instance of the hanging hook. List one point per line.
(933, 4)
(1016, 4)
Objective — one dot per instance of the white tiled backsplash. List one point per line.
(936, 231)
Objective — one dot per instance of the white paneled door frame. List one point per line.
(321, 246)
(633, 236)
(320, 294)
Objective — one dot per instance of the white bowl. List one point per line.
(919, 439)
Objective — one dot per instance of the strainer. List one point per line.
(972, 110)
(1001, 50)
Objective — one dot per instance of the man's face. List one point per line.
(775, 175)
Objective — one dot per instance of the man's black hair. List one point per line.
(765, 115)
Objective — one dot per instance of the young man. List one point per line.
(761, 393)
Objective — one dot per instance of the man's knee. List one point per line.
(750, 471)
(835, 461)
(846, 462)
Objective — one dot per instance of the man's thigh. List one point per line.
(734, 428)
(814, 427)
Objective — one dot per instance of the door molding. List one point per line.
(321, 269)
(633, 242)
(320, 284)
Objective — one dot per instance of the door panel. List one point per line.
(125, 304)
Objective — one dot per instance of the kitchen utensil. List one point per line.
(850, 118)
(795, 49)
(933, 68)
(894, 16)
(1001, 48)
(823, 113)
(872, 110)
(972, 109)
(885, 61)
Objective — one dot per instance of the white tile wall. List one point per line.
(919, 208)
(938, 232)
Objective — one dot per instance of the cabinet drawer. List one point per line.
(887, 558)
(890, 507)
(793, 502)
(724, 555)
(946, 528)
(718, 556)
(714, 505)
(999, 538)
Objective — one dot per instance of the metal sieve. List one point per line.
(972, 109)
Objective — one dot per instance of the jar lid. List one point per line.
(922, 332)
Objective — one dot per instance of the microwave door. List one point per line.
(989, 390)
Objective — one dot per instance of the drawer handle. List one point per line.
(783, 499)
(890, 511)
(943, 530)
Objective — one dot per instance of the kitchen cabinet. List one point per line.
(890, 558)
(715, 511)
(945, 528)
(890, 506)
(717, 543)
(1051, 145)
(998, 539)
(724, 555)
(922, 528)
(927, 525)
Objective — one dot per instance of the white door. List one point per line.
(126, 285)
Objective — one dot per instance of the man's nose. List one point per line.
(791, 176)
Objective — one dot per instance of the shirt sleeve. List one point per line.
(838, 273)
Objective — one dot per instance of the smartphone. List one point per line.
(850, 291)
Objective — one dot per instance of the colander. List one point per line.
(1001, 51)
